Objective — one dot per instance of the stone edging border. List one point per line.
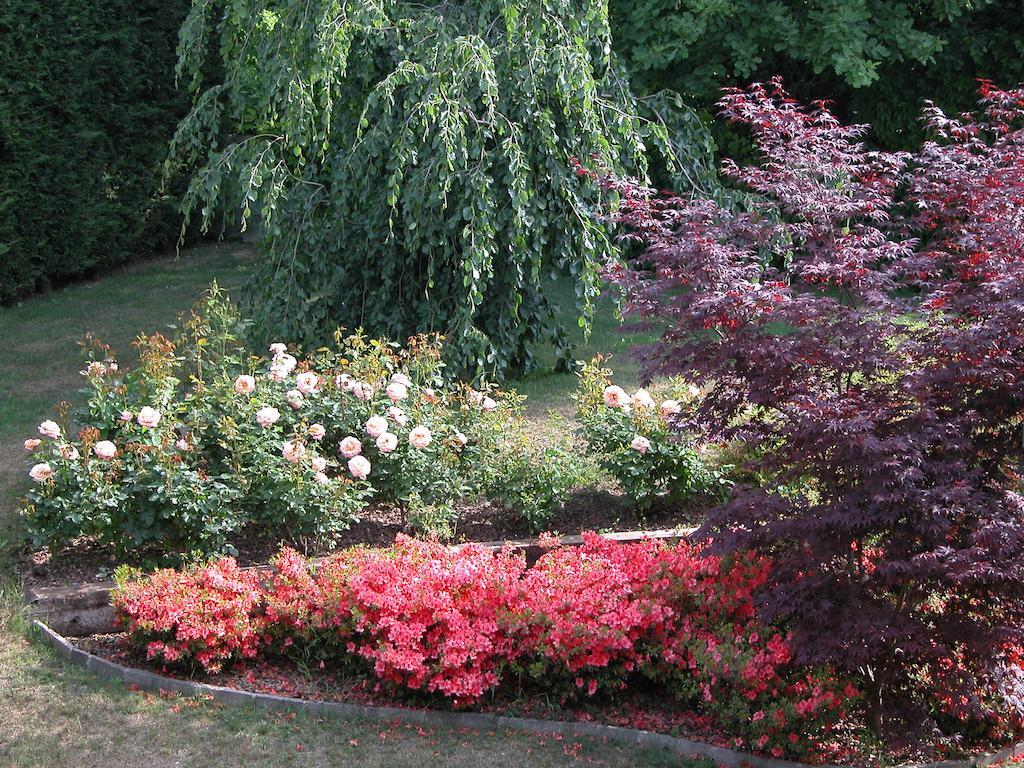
(722, 756)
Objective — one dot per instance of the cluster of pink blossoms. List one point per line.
(462, 621)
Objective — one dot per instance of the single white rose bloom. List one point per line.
(69, 452)
(277, 373)
(49, 429)
(460, 439)
(488, 404)
(670, 408)
(359, 467)
(32, 443)
(267, 415)
(387, 442)
(640, 444)
(320, 477)
(245, 385)
(308, 383)
(104, 449)
(294, 398)
(397, 415)
(376, 426)
(277, 348)
(397, 391)
(344, 382)
(41, 472)
(615, 397)
(420, 437)
(293, 450)
(401, 378)
(319, 463)
(317, 431)
(642, 399)
(350, 447)
(286, 363)
(148, 417)
(694, 391)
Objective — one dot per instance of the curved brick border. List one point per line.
(722, 756)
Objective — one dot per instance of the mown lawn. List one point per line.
(53, 714)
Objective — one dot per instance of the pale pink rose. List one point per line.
(32, 443)
(277, 373)
(69, 452)
(320, 477)
(126, 416)
(615, 397)
(277, 348)
(284, 363)
(640, 444)
(148, 417)
(317, 431)
(420, 437)
(308, 383)
(401, 378)
(387, 442)
(359, 467)
(488, 404)
(267, 415)
(397, 415)
(245, 385)
(112, 367)
(670, 408)
(294, 398)
(181, 444)
(397, 391)
(460, 439)
(49, 429)
(95, 368)
(350, 447)
(344, 382)
(104, 449)
(642, 399)
(362, 390)
(376, 426)
(319, 463)
(429, 394)
(41, 472)
(293, 450)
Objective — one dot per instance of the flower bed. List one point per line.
(465, 623)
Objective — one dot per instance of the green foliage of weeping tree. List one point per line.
(410, 164)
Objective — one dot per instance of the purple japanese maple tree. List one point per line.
(861, 321)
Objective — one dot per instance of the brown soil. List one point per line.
(589, 509)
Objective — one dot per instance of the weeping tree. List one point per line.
(410, 164)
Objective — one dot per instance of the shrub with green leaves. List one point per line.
(633, 440)
(203, 440)
(410, 163)
(87, 107)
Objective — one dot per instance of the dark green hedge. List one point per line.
(87, 105)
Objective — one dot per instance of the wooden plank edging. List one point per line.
(722, 756)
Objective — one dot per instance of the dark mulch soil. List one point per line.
(589, 509)
(644, 706)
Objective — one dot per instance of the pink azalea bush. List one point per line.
(462, 622)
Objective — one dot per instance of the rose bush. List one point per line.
(632, 438)
(203, 439)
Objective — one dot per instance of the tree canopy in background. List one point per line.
(87, 105)
(411, 165)
(877, 60)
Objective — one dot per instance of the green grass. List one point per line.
(55, 714)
